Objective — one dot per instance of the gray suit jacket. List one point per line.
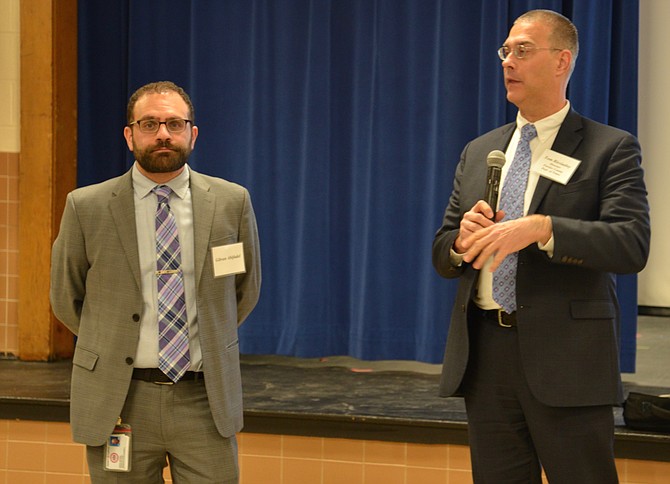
(96, 292)
(568, 314)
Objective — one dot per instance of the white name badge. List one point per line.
(228, 259)
(556, 166)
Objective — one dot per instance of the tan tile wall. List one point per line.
(289, 459)
(43, 452)
(9, 252)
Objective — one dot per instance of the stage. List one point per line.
(342, 397)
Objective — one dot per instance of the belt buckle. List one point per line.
(501, 323)
(168, 382)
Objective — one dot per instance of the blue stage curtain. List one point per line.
(345, 119)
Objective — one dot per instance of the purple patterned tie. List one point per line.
(173, 355)
(511, 201)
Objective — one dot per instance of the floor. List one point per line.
(652, 361)
(407, 389)
(653, 354)
(345, 386)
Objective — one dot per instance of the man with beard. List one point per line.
(139, 276)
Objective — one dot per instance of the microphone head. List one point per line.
(496, 158)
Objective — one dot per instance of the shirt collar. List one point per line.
(548, 126)
(143, 185)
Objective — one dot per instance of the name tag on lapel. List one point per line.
(556, 166)
(228, 259)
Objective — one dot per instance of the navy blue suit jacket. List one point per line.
(568, 314)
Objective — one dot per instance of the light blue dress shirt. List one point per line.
(145, 213)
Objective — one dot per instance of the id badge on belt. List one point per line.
(117, 449)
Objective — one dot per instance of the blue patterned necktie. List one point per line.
(511, 201)
(173, 354)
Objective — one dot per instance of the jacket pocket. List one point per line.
(592, 310)
(228, 239)
(84, 358)
(581, 186)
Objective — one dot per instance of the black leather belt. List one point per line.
(498, 316)
(154, 375)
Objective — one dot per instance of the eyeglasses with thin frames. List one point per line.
(520, 50)
(151, 126)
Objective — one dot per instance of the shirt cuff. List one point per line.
(548, 247)
(455, 258)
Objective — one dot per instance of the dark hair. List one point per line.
(563, 31)
(159, 87)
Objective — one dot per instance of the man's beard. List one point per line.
(163, 162)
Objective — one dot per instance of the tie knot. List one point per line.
(528, 132)
(162, 192)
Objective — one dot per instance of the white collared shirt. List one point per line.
(547, 130)
(145, 213)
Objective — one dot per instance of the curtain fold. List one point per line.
(345, 119)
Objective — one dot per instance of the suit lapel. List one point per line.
(203, 216)
(566, 142)
(506, 133)
(122, 206)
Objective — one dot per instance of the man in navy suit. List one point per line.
(540, 379)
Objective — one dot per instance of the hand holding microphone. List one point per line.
(475, 220)
(495, 161)
(481, 237)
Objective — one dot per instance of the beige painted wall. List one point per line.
(654, 131)
(9, 76)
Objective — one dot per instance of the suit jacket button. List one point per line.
(136, 317)
(129, 361)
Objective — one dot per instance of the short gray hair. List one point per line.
(563, 32)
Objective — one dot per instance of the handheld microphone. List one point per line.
(495, 162)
